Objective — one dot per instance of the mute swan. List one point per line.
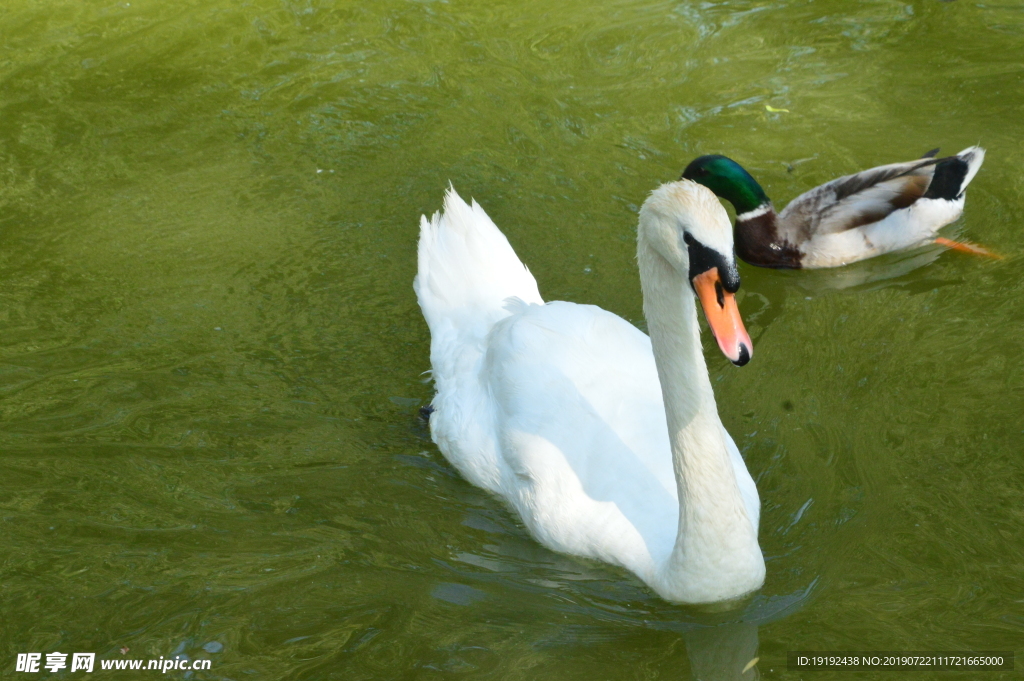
(884, 209)
(608, 444)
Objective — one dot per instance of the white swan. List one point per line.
(607, 443)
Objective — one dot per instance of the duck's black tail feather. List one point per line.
(954, 173)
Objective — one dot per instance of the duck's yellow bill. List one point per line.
(723, 316)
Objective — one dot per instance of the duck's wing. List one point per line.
(856, 200)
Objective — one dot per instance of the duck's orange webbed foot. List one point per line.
(965, 247)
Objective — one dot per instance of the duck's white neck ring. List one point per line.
(754, 214)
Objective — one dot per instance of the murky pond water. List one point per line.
(211, 356)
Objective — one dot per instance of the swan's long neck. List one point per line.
(716, 556)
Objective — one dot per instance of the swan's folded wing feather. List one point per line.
(856, 200)
(580, 416)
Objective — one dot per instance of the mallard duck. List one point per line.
(607, 443)
(884, 209)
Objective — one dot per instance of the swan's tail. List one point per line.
(467, 270)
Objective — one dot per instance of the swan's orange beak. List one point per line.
(724, 317)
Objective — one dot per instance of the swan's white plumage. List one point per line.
(555, 407)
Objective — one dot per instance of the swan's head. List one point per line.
(689, 228)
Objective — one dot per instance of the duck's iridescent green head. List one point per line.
(727, 178)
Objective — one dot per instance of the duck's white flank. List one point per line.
(607, 443)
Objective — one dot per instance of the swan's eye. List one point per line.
(689, 240)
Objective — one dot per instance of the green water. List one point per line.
(211, 357)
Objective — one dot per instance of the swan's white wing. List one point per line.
(581, 424)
